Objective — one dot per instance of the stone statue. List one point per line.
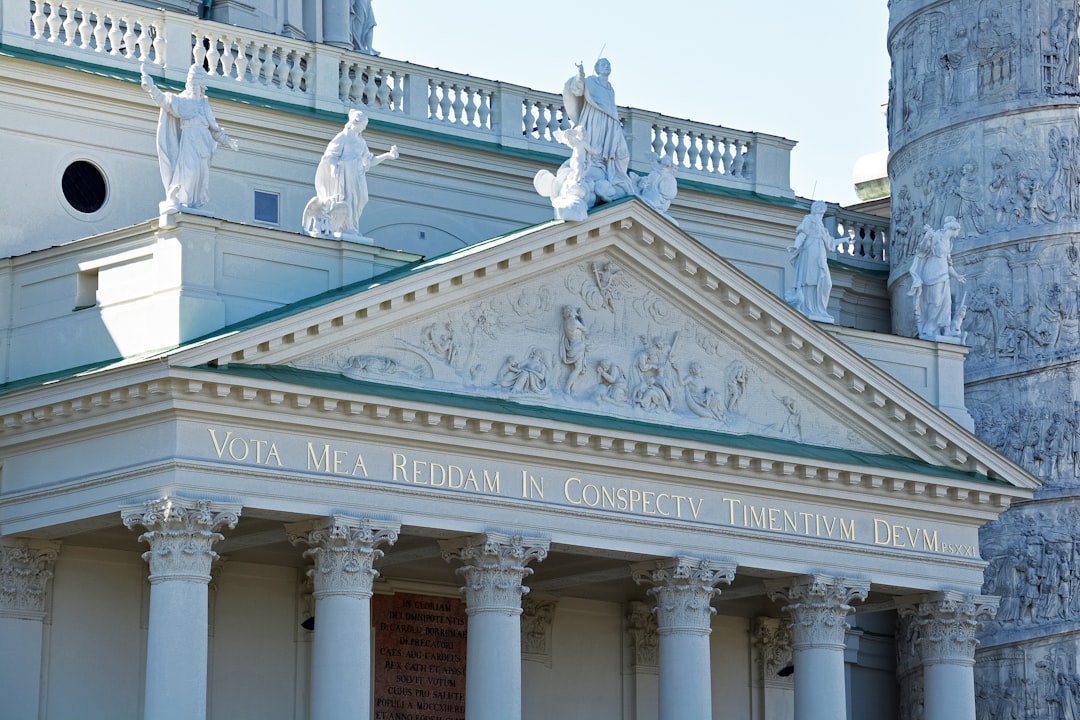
(658, 188)
(812, 285)
(571, 193)
(187, 136)
(572, 349)
(931, 275)
(590, 104)
(341, 190)
(362, 19)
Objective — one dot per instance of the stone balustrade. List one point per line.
(867, 235)
(324, 77)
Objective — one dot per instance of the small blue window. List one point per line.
(266, 207)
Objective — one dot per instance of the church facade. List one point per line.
(478, 463)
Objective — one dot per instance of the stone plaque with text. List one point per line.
(419, 658)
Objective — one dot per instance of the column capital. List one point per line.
(26, 566)
(943, 625)
(818, 606)
(684, 588)
(344, 550)
(181, 533)
(493, 568)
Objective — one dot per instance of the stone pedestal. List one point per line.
(181, 534)
(493, 566)
(344, 550)
(26, 566)
(684, 588)
(818, 606)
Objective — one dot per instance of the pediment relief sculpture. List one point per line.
(595, 338)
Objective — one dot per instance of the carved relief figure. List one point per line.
(737, 378)
(1060, 54)
(524, 376)
(612, 382)
(931, 274)
(702, 400)
(341, 186)
(659, 187)
(572, 348)
(812, 283)
(187, 135)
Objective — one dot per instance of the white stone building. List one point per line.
(720, 508)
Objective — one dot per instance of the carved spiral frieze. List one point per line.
(344, 551)
(493, 566)
(181, 534)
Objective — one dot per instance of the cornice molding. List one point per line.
(183, 391)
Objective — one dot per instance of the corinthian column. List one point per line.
(493, 566)
(818, 606)
(944, 634)
(344, 550)
(684, 588)
(26, 566)
(181, 533)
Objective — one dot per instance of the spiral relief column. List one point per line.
(984, 130)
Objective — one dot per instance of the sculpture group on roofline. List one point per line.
(598, 169)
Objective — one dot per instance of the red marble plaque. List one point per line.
(419, 657)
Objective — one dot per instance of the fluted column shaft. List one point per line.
(26, 566)
(344, 550)
(181, 534)
(945, 626)
(493, 568)
(818, 606)
(684, 588)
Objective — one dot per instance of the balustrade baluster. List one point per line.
(69, 25)
(748, 161)
(127, 44)
(258, 65)
(669, 144)
(213, 55)
(371, 89)
(37, 19)
(116, 35)
(145, 41)
(716, 156)
(345, 82)
(657, 141)
(383, 94)
(228, 57)
(101, 32)
(528, 124)
(683, 139)
(445, 102)
(356, 87)
(83, 30)
(458, 104)
(198, 51)
(159, 44)
(433, 100)
(277, 61)
(739, 160)
(470, 107)
(244, 51)
(693, 157)
(54, 21)
(729, 155)
(553, 122)
(296, 71)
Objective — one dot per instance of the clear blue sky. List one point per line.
(813, 72)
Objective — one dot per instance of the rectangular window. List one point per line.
(266, 207)
(86, 289)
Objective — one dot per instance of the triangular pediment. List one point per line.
(622, 316)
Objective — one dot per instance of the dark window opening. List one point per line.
(84, 187)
